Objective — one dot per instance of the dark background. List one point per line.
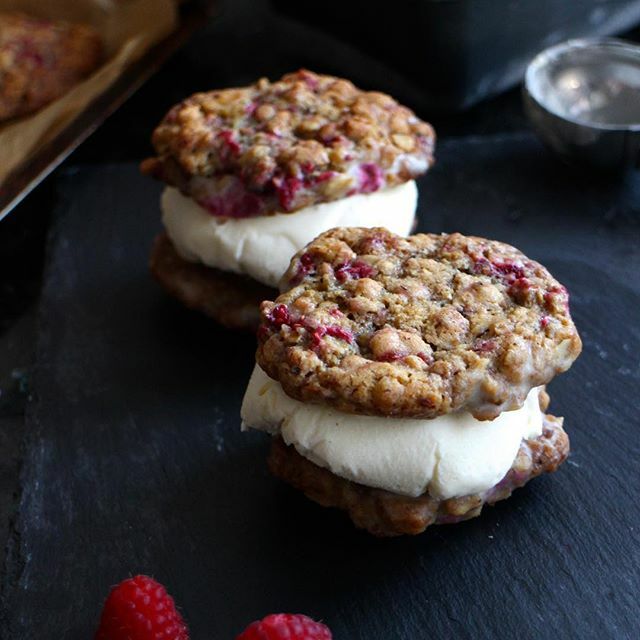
(485, 182)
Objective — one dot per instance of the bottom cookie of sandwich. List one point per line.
(232, 300)
(383, 513)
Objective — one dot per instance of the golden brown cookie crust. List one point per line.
(230, 299)
(284, 145)
(40, 60)
(383, 513)
(374, 323)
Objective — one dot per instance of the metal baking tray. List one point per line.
(28, 175)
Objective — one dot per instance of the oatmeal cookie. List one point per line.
(231, 299)
(40, 60)
(375, 323)
(282, 146)
(387, 514)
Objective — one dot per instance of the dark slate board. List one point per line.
(134, 461)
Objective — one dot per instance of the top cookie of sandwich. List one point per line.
(282, 146)
(374, 323)
(42, 59)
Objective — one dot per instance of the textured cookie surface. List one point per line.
(40, 60)
(230, 299)
(378, 324)
(281, 146)
(387, 514)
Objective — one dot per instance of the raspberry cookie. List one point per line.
(40, 60)
(255, 173)
(403, 378)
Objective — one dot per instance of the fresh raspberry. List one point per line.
(286, 626)
(140, 609)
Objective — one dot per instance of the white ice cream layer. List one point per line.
(262, 247)
(450, 456)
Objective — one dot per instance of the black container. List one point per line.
(458, 52)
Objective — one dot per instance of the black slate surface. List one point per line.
(134, 461)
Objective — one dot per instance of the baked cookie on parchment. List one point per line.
(40, 60)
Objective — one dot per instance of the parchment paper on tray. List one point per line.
(128, 29)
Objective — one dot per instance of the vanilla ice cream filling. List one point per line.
(450, 456)
(261, 247)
